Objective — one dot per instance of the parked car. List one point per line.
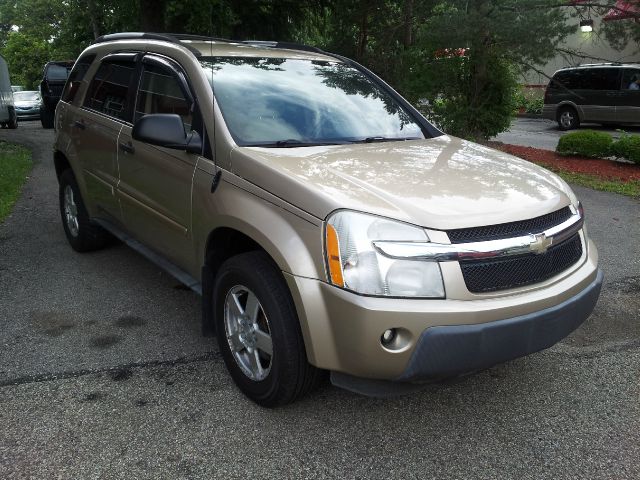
(54, 76)
(8, 116)
(599, 93)
(27, 103)
(17, 88)
(327, 224)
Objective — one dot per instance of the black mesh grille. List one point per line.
(491, 275)
(508, 230)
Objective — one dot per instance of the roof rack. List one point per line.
(285, 45)
(601, 64)
(164, 37)
(177, 37)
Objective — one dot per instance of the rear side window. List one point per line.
(571, 79)
(109, 89)
(57, 73)
(76, 76)
(160, 92)
(602, 79)
(588, 79)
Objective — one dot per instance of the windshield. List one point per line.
(294, 102)
(26, 96)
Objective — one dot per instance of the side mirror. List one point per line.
(166, 130)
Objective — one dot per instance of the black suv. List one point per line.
(599, 93)
(54, 76)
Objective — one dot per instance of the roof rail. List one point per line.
(285, 45)
(177, 37)
(601, 64)
(163, 37)
(204, 38)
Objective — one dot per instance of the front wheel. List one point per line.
(82, 234)
(568, 118)
(259, 333)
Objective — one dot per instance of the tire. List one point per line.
(82, 234)
(285, 375)
(13, 119)
(568, 118)
(46, 117)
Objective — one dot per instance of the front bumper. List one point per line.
(452, 350)
(342, 329)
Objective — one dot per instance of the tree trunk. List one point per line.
(93, 16)
(364, 31)
(152, 15)
(407, 39)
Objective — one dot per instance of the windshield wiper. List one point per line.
(385, 139)
(292, 142)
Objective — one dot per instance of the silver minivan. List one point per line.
(8, 117)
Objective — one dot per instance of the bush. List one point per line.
(535, 105)
(587, 143)
(628, 146)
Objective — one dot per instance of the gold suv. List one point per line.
(326, 223)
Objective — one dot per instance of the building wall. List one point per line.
(591, 44)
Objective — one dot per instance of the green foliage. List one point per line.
(627, 146)
(587, 143)
(528, 103)
(535, 105)
(450, 96)
(26, 55)
(15, 164)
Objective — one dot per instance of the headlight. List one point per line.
(354, 264)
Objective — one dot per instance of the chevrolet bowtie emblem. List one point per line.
(540, 243)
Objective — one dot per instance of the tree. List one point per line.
(464, 63)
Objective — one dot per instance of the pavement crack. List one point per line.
(114, 370)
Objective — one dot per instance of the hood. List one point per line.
(440, 183)
(27, 103)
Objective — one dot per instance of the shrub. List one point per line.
(535, 105)
(628, 146)
(587, 143)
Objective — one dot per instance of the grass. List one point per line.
(15, 164)
(630, 188)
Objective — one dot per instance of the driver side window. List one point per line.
(160, 92)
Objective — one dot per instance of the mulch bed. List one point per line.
(604, 169)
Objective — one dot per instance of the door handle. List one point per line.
(79, 124)
(127, 147)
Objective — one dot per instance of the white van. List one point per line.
(8, 117)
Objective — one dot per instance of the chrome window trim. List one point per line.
(537, 243)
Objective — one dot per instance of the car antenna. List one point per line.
(218, 175)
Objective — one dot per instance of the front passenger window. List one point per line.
(160, 92)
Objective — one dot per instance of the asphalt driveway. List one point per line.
(539, 133)
(104, 374)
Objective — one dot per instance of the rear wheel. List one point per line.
(259, 333)
(82, 234)
(568, 118)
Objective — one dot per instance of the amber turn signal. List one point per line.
(333, 256)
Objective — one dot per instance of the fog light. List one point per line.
(388, 336)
